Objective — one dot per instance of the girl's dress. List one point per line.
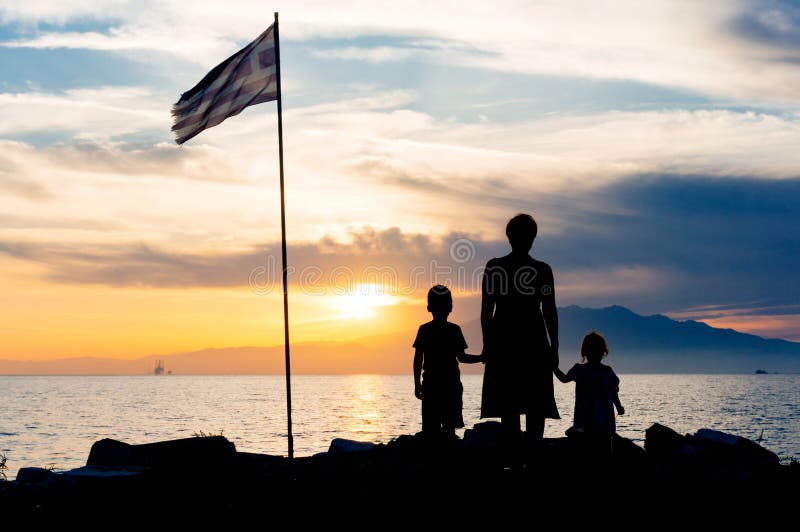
(595, 388)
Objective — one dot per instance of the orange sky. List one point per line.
(663, 174)
(53, 320)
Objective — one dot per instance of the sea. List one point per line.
(52, 421)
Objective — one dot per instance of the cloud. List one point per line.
(657, 244)
(88, 113)
(770, 325)
(378, 54)
(21, 187)
(430, 50)
(368, 253)
(132, 39)
(715, 49)
(774, 23)
(420, 173)
(731, 241)
(380, 130)
(55, 12)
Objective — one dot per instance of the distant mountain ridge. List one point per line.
(638, 344)
(660, 344)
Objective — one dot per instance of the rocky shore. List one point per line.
(707, 473)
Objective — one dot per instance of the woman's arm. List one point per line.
(550, 312)
(565, 378)
(464, 358)
(487, 310)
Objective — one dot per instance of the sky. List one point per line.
(654, 142)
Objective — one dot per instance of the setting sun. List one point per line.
(362, 301)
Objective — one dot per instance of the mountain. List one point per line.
(637, 344)
(658, 344)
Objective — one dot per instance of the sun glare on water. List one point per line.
(362, 301)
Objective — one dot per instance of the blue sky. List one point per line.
(655, 142)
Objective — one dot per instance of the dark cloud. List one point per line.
(45, 222)
(729, 242)
(732, 240)
(199, 163)
(479, 193)
(372, 251)
(25, 189)
(772, 22)
(11, 183)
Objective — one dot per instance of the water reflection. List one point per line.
(56, 419)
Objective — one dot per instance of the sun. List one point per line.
(362, 301)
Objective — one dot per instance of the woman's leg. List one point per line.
(534, 427)
(534, 438)
(511, 442)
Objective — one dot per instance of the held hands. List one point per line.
(418, 391)
(620, 410)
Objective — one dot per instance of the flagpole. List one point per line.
(283, 249)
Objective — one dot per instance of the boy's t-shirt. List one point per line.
(595, 387)
(440, 343)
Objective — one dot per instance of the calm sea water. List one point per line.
(55, 420)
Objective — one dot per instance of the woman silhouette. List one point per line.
(520, 338)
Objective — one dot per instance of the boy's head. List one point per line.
(521, 230)
(593, 347)
(440, 300)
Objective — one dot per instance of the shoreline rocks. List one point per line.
(205, 473)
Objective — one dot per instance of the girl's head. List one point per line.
(593, 347)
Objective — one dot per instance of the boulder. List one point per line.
(185, 454)
(663, 443)
(485, 436)
(110, 453)
(731, 449)
(341, 445)
(627, 451)
(38, 476)
(407, 443)
(103, 472)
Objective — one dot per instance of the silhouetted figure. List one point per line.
(596, 395)
(520, 338)
(439, 348)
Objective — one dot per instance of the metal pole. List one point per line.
(283, 249)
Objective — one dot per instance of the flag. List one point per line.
(246, 78)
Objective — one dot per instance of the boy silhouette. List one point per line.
(439, 348)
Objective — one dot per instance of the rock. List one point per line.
(341, 445)
(715, 436)
(109, 453)
(627, 451)
(485, 436)
(38, 476)
(184, 454)
(103, 472)
(732, 449)
(407, 443)
(662, 442)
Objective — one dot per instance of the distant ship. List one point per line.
(761, 372)
(159, 368)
